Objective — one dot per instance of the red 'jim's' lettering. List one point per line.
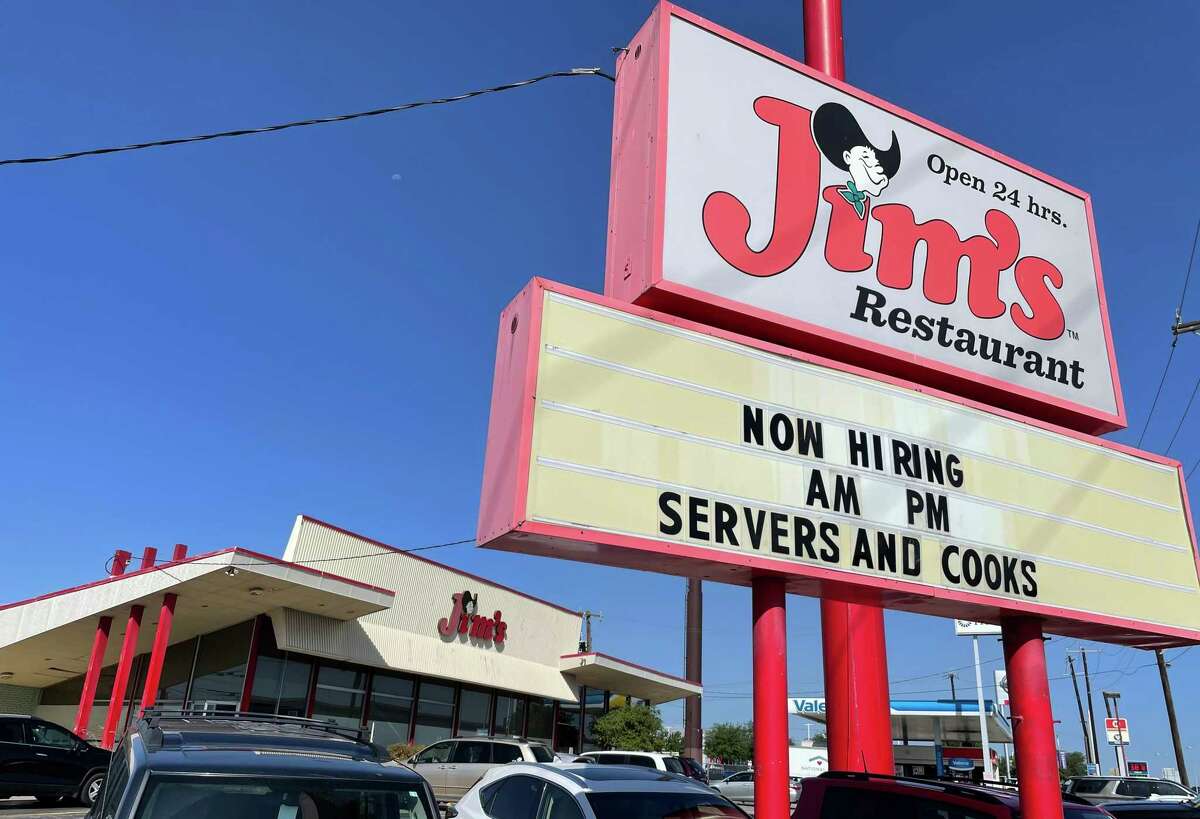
(797, 183)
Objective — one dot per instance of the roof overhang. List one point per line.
(917, 720)
(49, 638)
(602, 671)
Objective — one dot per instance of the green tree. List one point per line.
(636, 728)
(731, 743)
(1076, 764)
(672, 743)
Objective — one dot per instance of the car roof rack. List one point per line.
(152, 719)
(955, 788)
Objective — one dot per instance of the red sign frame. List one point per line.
(636, 219)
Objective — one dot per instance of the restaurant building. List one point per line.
(341, 627)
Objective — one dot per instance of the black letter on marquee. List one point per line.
(675, 524)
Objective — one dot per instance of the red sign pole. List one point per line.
(1032, 718)
(854, 648)
(770, 698)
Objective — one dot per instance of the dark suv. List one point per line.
(837, 795)
(195, 765)
(44, 760)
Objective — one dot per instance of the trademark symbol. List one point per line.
(1073, 334)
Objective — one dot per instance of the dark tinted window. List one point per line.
(435, 712)
(612, 759)
(673, 765)
(861, 803)
(114, 783)
(558, 804)
(516, 798)
(10, 731)
(541, 753)
(503, 752)
(43, 733)
(468, 753)
(474, 708)
(221, 668)
(1133, 788)
(1088, 785)
(1085, 812)
(641, 761)
(663, 805)
(1168, 789)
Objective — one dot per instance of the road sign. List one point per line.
(1117, 730)
(969, 628)
(1139, 769)
(752, 192)
(626, 437)
(1093, 769)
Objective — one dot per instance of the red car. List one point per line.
(838, 795)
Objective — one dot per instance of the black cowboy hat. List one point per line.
(836, 131)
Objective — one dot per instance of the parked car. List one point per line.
(867, 796)
(641, 759)
(1099, 789)
(1153, 809)
(196, 765)
(590, 791)
(452, 766)
(46, 761)
(740, 788)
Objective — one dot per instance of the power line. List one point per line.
(266, 129)
(393, 550)
(1174, 339)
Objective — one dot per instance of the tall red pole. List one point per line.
(91, 679)
(117, 701)
(1032, 719)
(162, 636)
(770, 699)
(857, 710)
(853, 644)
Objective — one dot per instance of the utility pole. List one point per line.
(953, 695)
(984, 744)
(1087, 735)
(1170, 700)
(586, 645)
(1087, 681)
(693, 735)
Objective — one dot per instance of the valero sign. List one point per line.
(627, 437)
(750, 192)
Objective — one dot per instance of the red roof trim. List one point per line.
(458, 571)
(195, 558)
(598, 655)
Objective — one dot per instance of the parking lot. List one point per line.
(20, 808)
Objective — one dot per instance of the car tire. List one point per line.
(93, 786)
(48, 798)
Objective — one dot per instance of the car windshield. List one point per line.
(207, 797)
(661, 806)
(541, 753)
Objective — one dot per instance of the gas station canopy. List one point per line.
(917, 720)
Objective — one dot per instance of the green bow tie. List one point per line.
(855, 197)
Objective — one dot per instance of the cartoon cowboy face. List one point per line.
(865, 170)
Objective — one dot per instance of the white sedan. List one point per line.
(523, 790)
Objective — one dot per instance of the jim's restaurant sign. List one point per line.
(752, 193)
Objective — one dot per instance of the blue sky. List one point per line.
(200, 342)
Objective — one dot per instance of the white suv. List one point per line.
(642, 759)
(452, 766)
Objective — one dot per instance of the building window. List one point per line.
(435, 712)
(594, 700)
(474, 712)
(340, 695)
(566, 729)
(221, 668)
(176, 671)
(510, 716)
(541, 720)
(391, 708)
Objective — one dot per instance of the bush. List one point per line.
(401, 751)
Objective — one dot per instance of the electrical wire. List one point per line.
(266, 129)
(1174, 339)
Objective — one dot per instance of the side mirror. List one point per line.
(450, 812)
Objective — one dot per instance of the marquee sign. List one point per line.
(627, 437)
(753, 193)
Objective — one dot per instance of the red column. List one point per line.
(92, 678)
(148, 556)
(128, 649)
(857, 710)
(162, 635)
(823, 45)
(770, 699)
(179, 553)
(1032, 719)
(120, 563)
